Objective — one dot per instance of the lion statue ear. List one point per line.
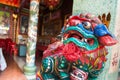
(104, 36)
(105, 19)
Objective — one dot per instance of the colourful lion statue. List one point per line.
(80, 54)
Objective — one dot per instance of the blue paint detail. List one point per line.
(87, 31)
(101, 30)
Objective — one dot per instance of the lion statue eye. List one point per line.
(87, 25)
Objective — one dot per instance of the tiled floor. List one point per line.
(14, 70)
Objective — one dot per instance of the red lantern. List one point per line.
(52, 3)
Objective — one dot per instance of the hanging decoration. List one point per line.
(53, 4)
(80, 54)
(14, 3)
